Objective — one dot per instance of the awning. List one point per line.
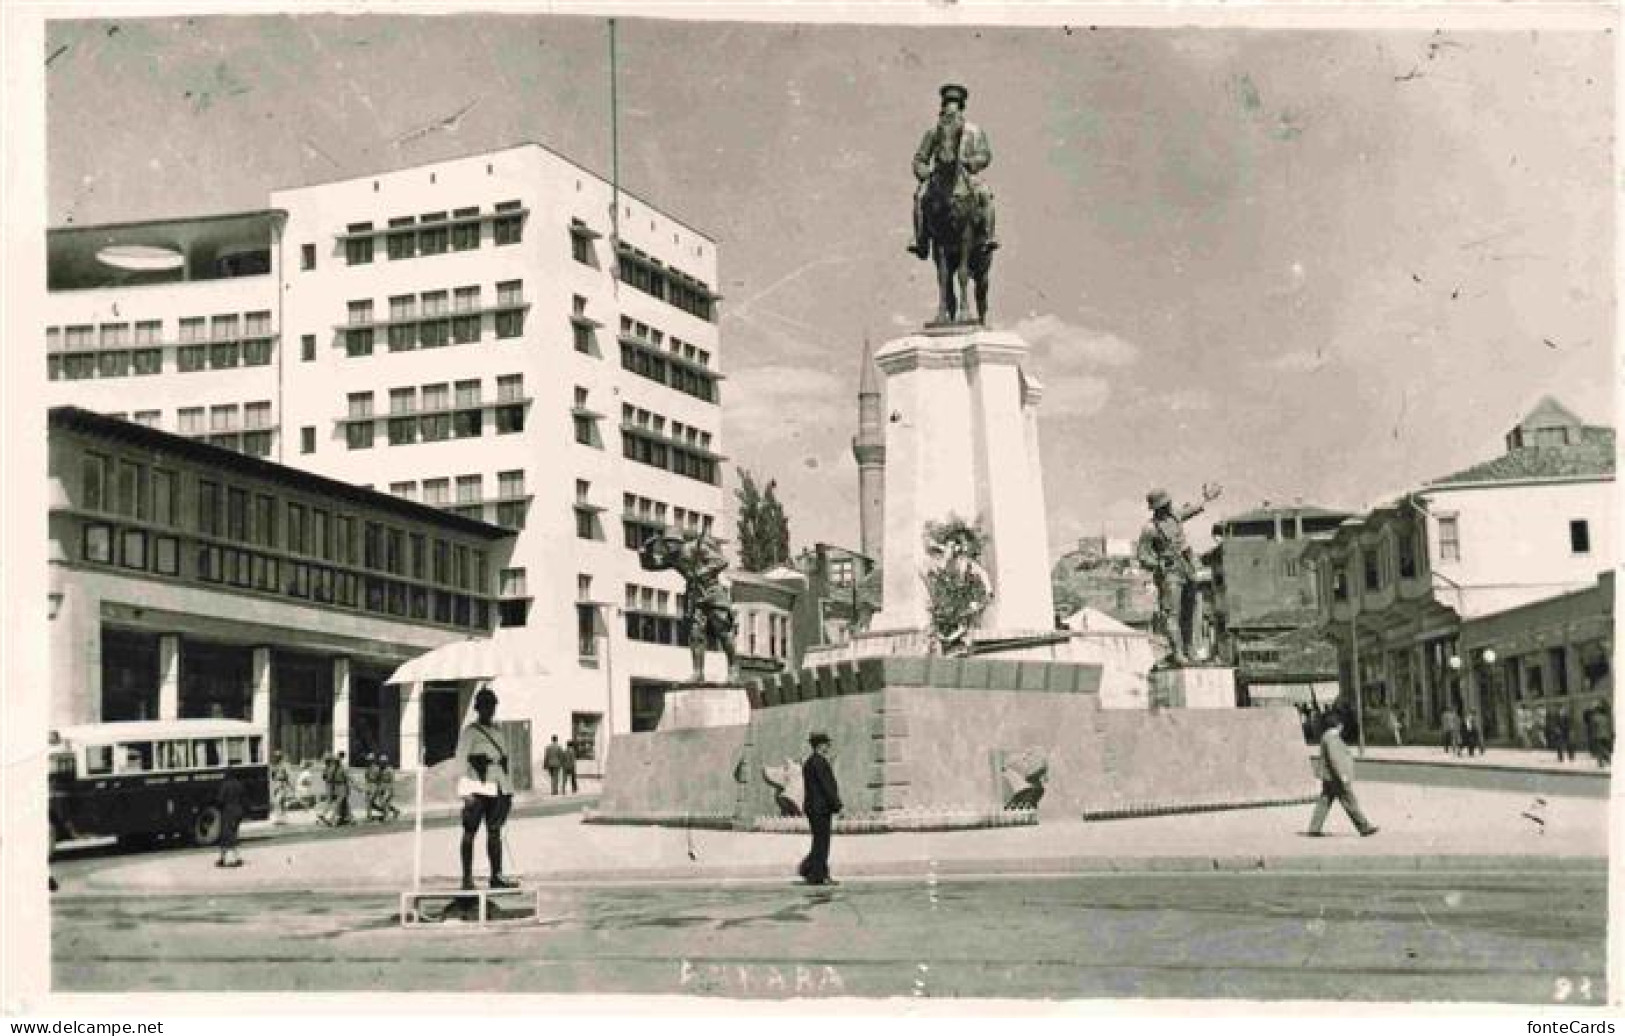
(510, 653)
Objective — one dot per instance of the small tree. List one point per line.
(764, 530)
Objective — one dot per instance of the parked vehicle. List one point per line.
(140, 781)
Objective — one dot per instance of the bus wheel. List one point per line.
(206, 826)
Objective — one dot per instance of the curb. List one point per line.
(906, 870)
(1444, 764)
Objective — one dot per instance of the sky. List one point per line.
(1309, 265)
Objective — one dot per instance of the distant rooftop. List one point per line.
(517, 145)
(1549, 442)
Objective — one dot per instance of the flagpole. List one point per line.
(614, 158)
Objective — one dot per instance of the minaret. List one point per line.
(869, 447)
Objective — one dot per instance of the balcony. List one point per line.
(420, 318)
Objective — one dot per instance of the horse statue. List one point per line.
(956, 231)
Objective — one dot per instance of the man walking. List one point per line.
(823, 801)
(486, 788)
(281, 789)
(1337, 780)
(1472, 735)
(230, 797)
(1396, 726)
(570, 767)
(1560, 733)
(1452, 732)
(553, 762)
(1602, 734)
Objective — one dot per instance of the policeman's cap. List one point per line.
(955, 92)
(1158, 498)
(818, 738)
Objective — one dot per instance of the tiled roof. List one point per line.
(1592, 455)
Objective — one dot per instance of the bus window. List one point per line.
(206, 754)
(236, 751)
(98, 760)
(256, 750)
(137, 757)
(175, 755)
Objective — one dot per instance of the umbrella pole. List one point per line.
(417, 827)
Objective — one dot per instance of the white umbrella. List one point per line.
(508, 653)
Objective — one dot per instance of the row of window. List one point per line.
(1383, 563)
(435, 324)
(361, 433)
(152, 494)
(149, 551)
(683, 368)
(639, 419)
(512, 502)
(638, 446)
(433, 233)
(667, 283)
(642, 518)
(123, 363)
(190, 330)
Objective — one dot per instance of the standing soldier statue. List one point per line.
(1164, 553)
(707, 605)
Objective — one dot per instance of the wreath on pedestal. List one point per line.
(956, 584)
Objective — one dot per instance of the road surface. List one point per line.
(1475, 936)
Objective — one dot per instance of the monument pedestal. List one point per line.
(705, 705)
(962, 439)
(1194, 687)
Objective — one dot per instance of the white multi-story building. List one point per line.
(485, 334)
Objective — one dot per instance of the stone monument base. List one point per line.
(942, 743)
(692, 706)
(1194, 687)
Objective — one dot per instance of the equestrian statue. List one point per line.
(953, 210)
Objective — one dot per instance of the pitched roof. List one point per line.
(1549, 412)
(1592, 456)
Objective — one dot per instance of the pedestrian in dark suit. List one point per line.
(1337, 780)
(553, 763)
(1602, 734)
(823, 801)
(230, 800)
(1560, 732)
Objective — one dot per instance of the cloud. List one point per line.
(1080, 395)
(1070, 343)
(1068, 359)
(1300, 361)
(1188, 400)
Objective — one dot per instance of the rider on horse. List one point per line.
(953, 141)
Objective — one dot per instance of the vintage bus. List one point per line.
(141, 781)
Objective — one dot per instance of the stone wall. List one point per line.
(673, 772)
(962, 736)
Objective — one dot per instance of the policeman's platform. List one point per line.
(435, 905)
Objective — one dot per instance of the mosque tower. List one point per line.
(869, 447)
